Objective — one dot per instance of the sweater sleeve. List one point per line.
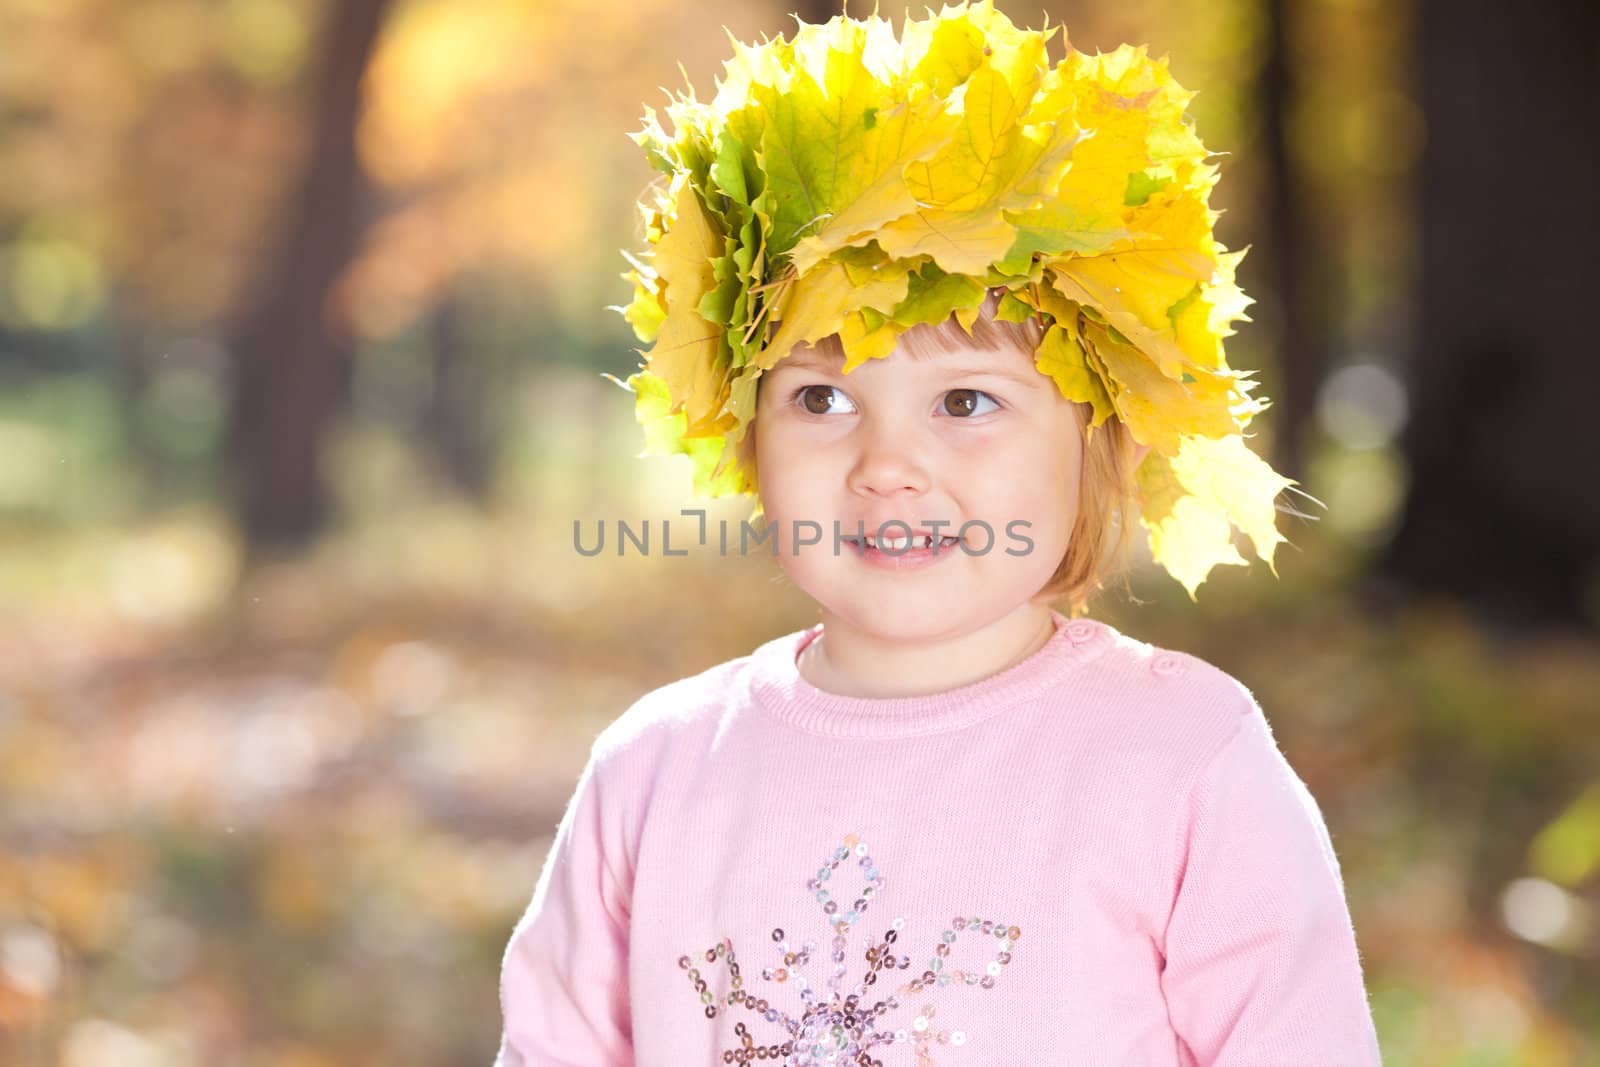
(564, 976)
(1261, 965)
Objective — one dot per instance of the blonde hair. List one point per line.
(1098, 547)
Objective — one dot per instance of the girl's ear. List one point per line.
(1139, 452)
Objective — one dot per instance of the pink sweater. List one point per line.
(1096, 858)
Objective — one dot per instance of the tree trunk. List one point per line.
(1505, 410)
(1292, 255)
(292, 363)
(461, 418)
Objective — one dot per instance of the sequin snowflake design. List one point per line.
(837, 1028)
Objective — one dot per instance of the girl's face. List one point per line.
(976, 437)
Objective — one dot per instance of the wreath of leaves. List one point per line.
(845, 182)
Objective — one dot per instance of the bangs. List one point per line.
(989, 334)
(948, 338)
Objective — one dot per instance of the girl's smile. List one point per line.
(906, 553)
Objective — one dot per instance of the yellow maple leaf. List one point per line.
(1159, 411)
(839, 129)
(1006, 156)
(1137, 282)
(1062, 357)
(684, 356)
(1202, 323)
(862, 341)
(1192, 501)
(813, 303)
(665, 434)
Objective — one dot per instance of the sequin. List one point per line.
(838, 1028)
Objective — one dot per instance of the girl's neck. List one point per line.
(853, 662)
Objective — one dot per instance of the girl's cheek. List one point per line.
(806, 435)
(983, 441)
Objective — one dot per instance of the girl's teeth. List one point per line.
(897, 544)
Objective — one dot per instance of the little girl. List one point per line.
(952, 314)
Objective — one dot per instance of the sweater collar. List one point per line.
(783, 693)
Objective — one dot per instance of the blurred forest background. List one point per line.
(302, 323)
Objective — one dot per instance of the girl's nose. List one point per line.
(890, 461)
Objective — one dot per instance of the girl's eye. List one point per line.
(960, 403)
(963, 403)
(814, 398)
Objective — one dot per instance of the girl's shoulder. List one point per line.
(668, 711)
(1183, 670)
(1169, 688)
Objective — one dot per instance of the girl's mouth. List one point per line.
(904, 553)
